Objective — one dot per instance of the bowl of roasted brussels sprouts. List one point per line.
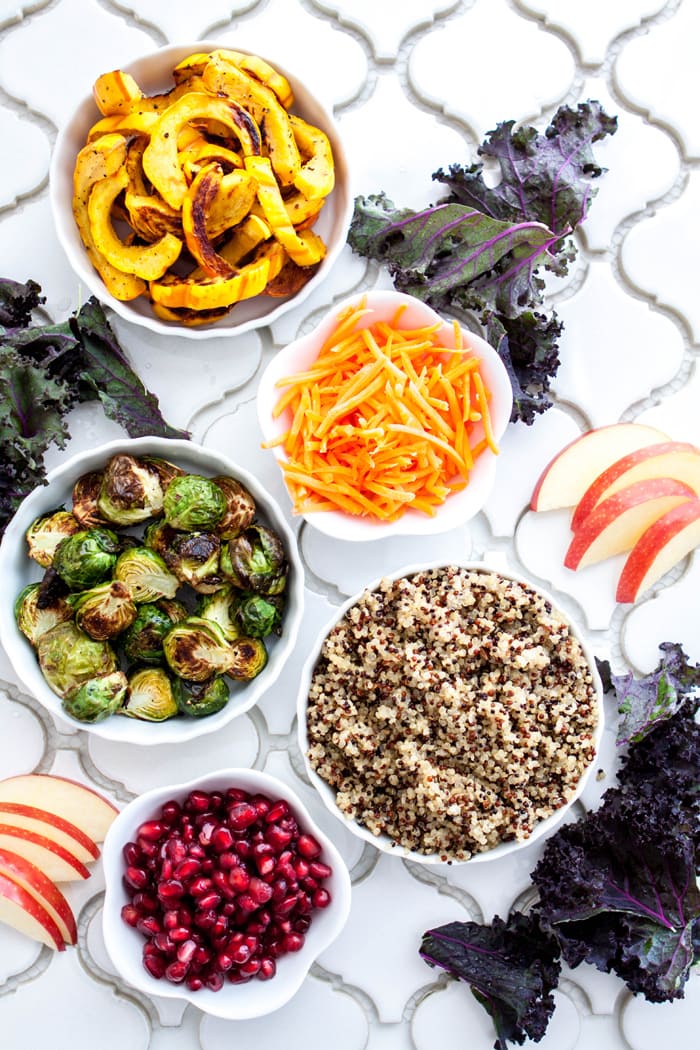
(200, 190)
(149, 581)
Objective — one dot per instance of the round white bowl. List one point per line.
(233, 1002)
(382, 306)
(17, 570)
(152, 72)
(383, 842)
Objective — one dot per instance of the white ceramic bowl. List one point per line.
(383, 841)
(153, 74)
(234, 1002)
(17, 570)
(382, 306)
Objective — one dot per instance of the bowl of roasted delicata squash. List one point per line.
(201, 190)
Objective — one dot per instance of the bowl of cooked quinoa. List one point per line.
(450, 713)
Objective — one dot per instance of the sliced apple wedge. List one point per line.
(52, 826)
(40, 886)
(22, 911)
(658, 549)
(667, 459)
(74, 802)
(564, 480)
(58, 863)
(617, 522)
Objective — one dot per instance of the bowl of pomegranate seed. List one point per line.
(221, 891)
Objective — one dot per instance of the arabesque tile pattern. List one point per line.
(414, 86)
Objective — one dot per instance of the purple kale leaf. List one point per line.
(17, 301)
(546, 178)
(511, 967)
(482, 249)
(645, 701)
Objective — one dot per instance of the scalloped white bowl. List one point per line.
(233, 1002)
(17, 570)
(459, 507)
(383, 842)
(153, 74)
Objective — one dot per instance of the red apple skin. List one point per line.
(23, 912)
(14, 839)
(661, 547)
(665, 453)
(566, 477)
(618, 521)
(39, 885)
(76, 802)
(39, 818)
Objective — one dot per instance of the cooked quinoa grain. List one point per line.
(452, 710)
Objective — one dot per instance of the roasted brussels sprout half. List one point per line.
(259, 615)
(194, 558)
(249, 658)
(197, 649)
(257, 561)
(145, 574)
(46, 532)
(221, 608)
(105, 610)
(143, 640)
(68, 657)
(86, 558)
(193, 502)
(34, 617)
(199, 699)
(98, 698)
(165, 470)
(159, 536)
(130, 492)
(240, 507)
(150, 696)
(85, 493)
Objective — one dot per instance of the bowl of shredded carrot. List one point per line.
(385, 419)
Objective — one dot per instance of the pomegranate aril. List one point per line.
(239, 879)
(276, 811)
(194, 983)
(237, 977)
(262, 804)
(221, 881)
(149, 925)
(146, 903)
(246, 903)
(186, 951)
(319, 870)
(176, 971)
(204, 920)
(176, 850)
(214, 981)
(171, 919)
(286, 906)
(188, 868)
(224, 962)
(200, 885)
(308, 884)
(277, 837)
(241, 815)
(260, 891)
(221, 839)
(279, 889)
(179, 934)
(206, 830)
(308, 847)
(243, 848)
(228, 860)
(163, 943)
(170, 812)
(234, 794)
(321, 898)
(148, 848)
(293, 942)
(197, 802)
(250, 967)
(301, 867)
(132, 854)
(202, 955)
(302, 923)
(220, 927)
(197, 852)
(137, 878)
(155, 964)
(170, 891)
(130, 914)
(209, 900)
(151, 830)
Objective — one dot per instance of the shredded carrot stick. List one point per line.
(386, 420)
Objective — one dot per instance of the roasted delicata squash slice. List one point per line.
(316, 177)
(95, 162)
(125, 124)
(149, 261)
(212, 293)
(116, 92)
(150, 216)
(160, 158)
(197, 154)
(260, 69)
(223, 76)
(306, 248)
(196, 206)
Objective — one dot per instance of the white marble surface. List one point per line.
(414, 86)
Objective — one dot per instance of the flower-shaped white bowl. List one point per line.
(17, 570)
(152, 72)
(234, 1001)
(459, 507)
(383, 841)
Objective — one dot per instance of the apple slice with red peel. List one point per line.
(617, 522)
(658, 549)
(22, 911)
(69, 799)
(52, 826)
(55, 861)
(668, 459)
(564, 480)
(40, 886)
